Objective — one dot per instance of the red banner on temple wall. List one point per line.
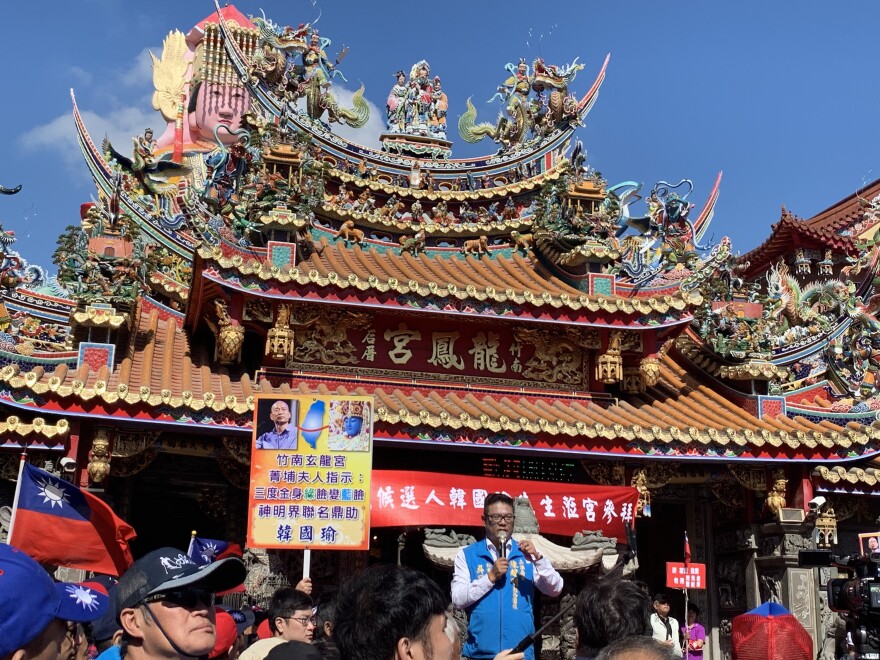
(403, 498)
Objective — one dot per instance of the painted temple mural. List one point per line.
(516, 300)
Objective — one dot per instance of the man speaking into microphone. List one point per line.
(494, 582)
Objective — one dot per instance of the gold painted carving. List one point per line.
(99, 456)
(776, 497)
(257, 310)
(557, 356)
(650, 370)
(728, 494)
(279, 339)
(609, 366)
(605, 473)
(128, 445)
(229, 334)
(238, 448)
(324, 338)
(640, 483)
(125, 467)
(754, 479)
(632, 380)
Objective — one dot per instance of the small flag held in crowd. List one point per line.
(57, 523)
(206, 551)
(687, 550)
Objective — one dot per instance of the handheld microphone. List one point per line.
(502, 542)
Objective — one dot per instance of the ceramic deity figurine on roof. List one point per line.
(417, 106)
(526, 118)
(293, 65)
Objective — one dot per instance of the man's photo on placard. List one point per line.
(276, 424)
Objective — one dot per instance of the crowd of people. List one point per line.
(164, 606)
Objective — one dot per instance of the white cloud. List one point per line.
(132, 112)
(80, 76)
(367, 135)
(140, 74)
(59, 134)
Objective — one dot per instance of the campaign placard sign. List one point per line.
(311, 461)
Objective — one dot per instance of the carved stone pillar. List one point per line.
(779, 576)
(735, 584)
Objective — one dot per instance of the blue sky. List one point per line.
(782, 96)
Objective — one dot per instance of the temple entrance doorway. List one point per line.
(171, 498)
(660, 539)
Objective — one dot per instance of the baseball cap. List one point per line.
(244, 619)
(227, 632)
(30, 600)
(661, 598)
(169, 568)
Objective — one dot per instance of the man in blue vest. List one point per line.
(494, 582)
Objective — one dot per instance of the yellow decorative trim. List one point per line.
(665, 435)
(14, 425)
(123, 394)
(100, 317)
(838, 473)
(170, 286)
(679, 301)
(457, 195)
(553, 427)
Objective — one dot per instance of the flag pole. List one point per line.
(17, 493)
(192, 542)
(687, 630)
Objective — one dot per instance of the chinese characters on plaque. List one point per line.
(488, 353)
(311, 462)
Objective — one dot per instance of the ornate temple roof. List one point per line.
(496, 286)
(164, 379)
(839, 227)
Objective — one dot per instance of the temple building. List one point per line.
(513, 314)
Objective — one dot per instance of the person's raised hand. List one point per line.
(499, 569)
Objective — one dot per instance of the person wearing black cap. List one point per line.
(165, 604)
(664, 628)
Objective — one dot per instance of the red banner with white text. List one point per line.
(417, 499)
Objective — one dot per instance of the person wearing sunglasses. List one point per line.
(165, 604)
(291, 619)
(495, 580)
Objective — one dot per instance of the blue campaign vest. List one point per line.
(495, 624)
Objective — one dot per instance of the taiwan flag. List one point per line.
(207, 551)
(57, 523)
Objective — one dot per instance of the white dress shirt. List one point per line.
(466, 592)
